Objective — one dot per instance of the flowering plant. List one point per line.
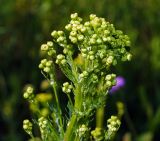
(97, 46)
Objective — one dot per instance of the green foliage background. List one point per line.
(25, 24)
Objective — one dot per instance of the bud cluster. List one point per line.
(97, 134)
(27, 126)
(66, 87)
(110, 80)
(61, 59)
(59, 37)
(46, 65)
(43, 124)
(82, 130)
(28, 94)
(113, 124)
(83, 75)
(99, 40)
(48, 47)
(67, 49)
(75, 28)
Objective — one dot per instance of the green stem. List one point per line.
(70, 100)
(73, 120)
(100, 117)
(69, 132)
(59, 109)
(31, 135)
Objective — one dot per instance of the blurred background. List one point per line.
(26, 24)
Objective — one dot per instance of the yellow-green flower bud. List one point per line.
(51, 52)
(108, 83)
(74, 16)
(54, 34)
(91, 57)
(110, 60)
(40, 66)
(60, 33)
(108, 77)
(92, 16)
(129, 56)
(87, 24)
(83, 29)
(44, 61)
(64, 61)
(98, 41)
(49, 63)
(73, 33)
(74, 40)
(80, 37)
(68, 27)
(47, 69)
(50, 43)
(44, 47)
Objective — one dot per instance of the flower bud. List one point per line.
(68, 27)
(73, 33)
(44, 47)
(50, 43)
(110, 60)
(47, 69)
(92, 16)
(80, 37)
(129, 56)
(83, 29)
(74, 16)
(60, 33)
(54, 34)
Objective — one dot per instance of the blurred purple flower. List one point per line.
(120, 83)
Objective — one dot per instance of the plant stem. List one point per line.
(100, 117)
(69, 132)
(59, 109)
(70, 100)
(73, 120)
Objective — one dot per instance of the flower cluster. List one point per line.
(59, 37)
(66, 87)
(110, 80)
(83, 75)
(43, 124)
(82, 130)
(27, 126)
(113, 124)
(48, 47)
(28, 94)
(98, 40)
(46, 65)
(61, 59)
(97, 134)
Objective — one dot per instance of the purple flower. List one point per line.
(120, 83)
